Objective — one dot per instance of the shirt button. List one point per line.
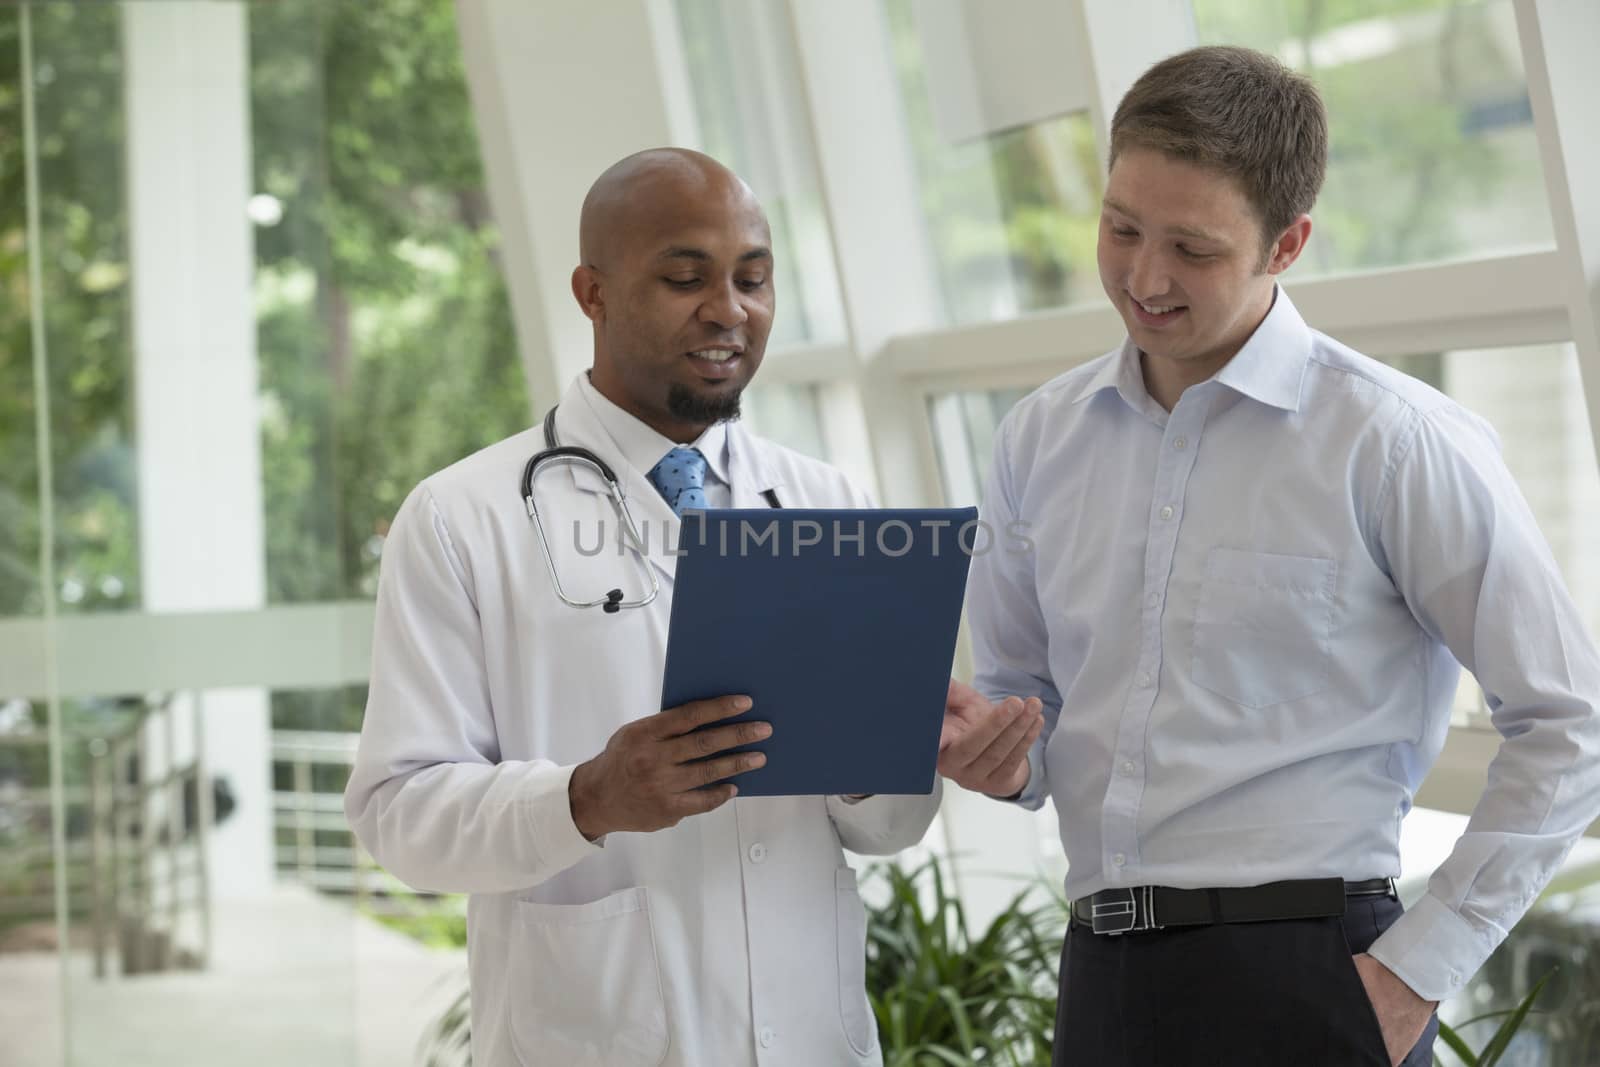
(1127, 768)
(1181, 443)
(758, 852)
(1455, 978)
(767, 1037)
(1166, 512)
(1153, 599)
(1119, 859)
(1144, 681)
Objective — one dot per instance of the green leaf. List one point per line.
(1458, 1045)
(1498, 1044)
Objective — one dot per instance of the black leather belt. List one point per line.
(1147, 907)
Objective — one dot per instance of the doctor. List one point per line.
(512, 747)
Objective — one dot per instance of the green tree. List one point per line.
(83, 265)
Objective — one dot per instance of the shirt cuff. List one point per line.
(560, 842)
(1032, 795)
(1432, 949)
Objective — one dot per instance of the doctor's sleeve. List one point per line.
(1010, 645)
(883, 824)
(429, 797)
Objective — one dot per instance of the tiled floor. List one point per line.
(296, 981)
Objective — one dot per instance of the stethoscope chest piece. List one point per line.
(555, 452)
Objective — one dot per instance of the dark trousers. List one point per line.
(1280, 993)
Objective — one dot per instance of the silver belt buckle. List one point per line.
(1116, 915)
(1130, 909)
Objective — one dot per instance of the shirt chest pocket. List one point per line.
(1262, 626)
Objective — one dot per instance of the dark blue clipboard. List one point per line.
(841, 627)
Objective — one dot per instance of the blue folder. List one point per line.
(841, 627)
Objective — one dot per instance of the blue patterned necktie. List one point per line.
(680, 478)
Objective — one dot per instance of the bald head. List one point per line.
(676, 277)
(652, 191)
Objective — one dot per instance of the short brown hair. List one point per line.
(1237, 111)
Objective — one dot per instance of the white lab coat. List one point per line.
(736, 937)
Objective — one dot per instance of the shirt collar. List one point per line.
(1269, 368)
(641, 446)
(1272, 363)
(1120, 371)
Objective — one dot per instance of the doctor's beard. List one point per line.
(685, 404)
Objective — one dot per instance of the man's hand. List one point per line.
(1402, 1015)
(654, 771)
(984, 746)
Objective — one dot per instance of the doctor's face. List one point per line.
(686, 307)
(1181, 257)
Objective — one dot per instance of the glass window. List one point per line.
(384, 332)
(1559, 936)
(1533, 397)
(789, 415)
(1432, 146)
(83, 262)
(30, 964)
(378, 346)
(1012, 219)
(743, 74)
(964, 425)
(20, 591)
(178, 948)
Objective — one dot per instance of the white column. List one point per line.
(201, 532)
(559, 93)
(1125, 39)
(885, 266)
(1558, 54)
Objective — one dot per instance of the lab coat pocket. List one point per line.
(1262, 626)
(860, 1029)
(585, 987)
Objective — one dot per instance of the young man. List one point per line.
(621, 912)
(1260, 557)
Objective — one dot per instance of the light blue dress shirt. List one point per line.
(1244, 619)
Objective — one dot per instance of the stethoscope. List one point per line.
(554, 452)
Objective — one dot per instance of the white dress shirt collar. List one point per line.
(1269, 368)
(642, 447)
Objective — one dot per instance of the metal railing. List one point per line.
(136, 863)
(315, 845)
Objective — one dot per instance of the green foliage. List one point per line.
(947, 996)
(1500, 1041)
(384, 335)
(1409, 177)
(438, 922)
(83, 261)
(386, 343)
(1558, 938)
(448, 1043)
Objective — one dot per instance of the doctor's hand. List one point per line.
(984, 745)
(657, 771)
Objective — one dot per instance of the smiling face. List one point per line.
(1181, 257)
(677, 279)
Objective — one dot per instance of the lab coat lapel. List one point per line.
(658, 526)
(749, 473)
